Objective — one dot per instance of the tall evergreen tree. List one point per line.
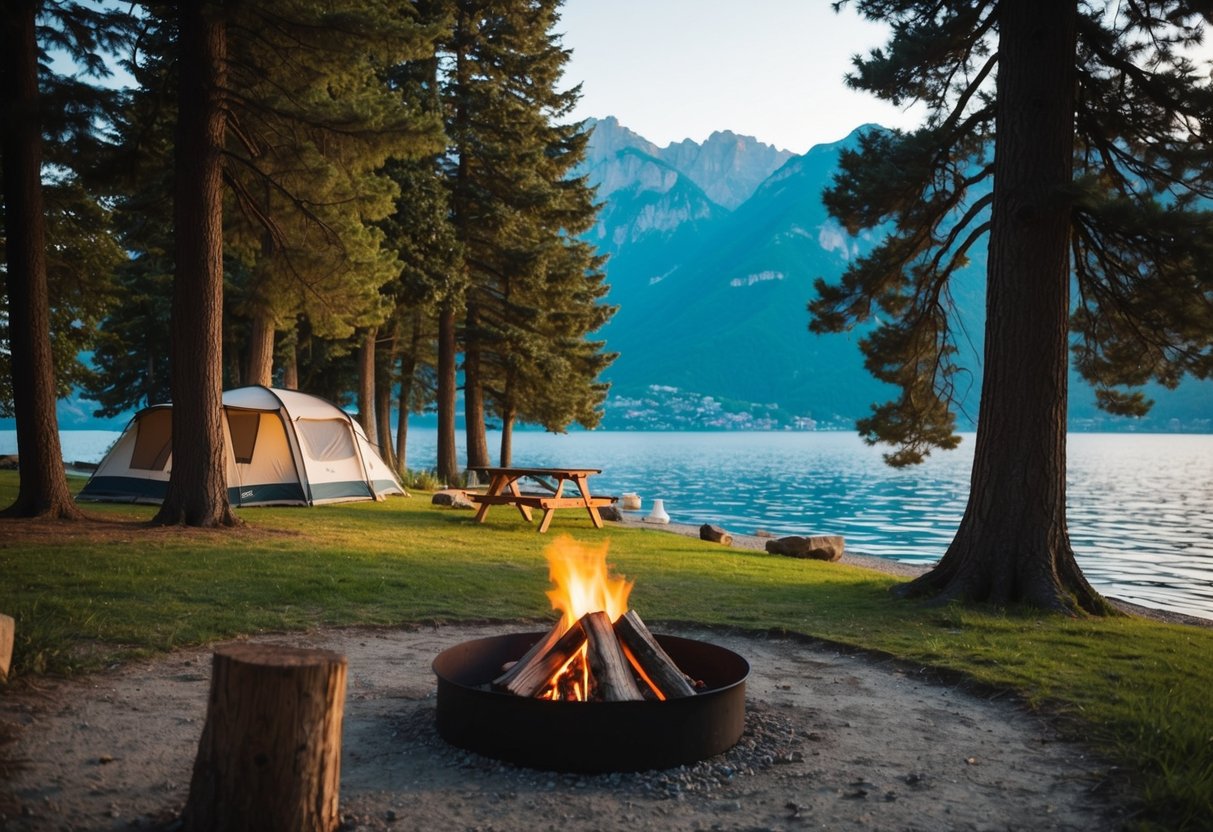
(197, 488)
(513, 202)
(84, 33)
(315, 122)
(428, 293)
(1101, 165)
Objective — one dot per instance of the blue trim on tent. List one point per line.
(123, 489)
(276, 492)
(322, 491)
(382, 486)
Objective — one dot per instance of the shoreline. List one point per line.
(757, 543)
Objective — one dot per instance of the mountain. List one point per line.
(712, 268)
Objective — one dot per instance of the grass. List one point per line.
(87, 595)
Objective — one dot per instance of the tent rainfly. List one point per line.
(283, 448)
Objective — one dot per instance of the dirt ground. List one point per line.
(834, 740)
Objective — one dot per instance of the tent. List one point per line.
(283, 448)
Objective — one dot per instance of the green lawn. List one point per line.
(84, 597)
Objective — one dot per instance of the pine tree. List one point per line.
(84, 34)
(316, 121)
(197, 489)
(1073, 138)
(428, 293)
(515, 206)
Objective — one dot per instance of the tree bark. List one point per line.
(408, 369)
(43, 490)
(259, 367)
(290, 365)
(270, 753)
(383, 402)
(366, 382)
(473, 397)
(507, 440)
(447, 463)
(197, 489)
(8, 635)
(1012, 545)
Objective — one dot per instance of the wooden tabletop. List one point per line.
(540, 472)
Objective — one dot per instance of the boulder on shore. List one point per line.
(715, 534)
(452, 497)
(610, 513)
(817, 547)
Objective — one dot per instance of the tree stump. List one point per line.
(270, 753)
(8, 632)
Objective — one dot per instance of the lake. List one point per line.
(1140, 506)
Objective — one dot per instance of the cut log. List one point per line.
(8, 633)
(537, 652)
(531, 679)
(652, 662)
(609, 668)
(270, 753)
(715, 534)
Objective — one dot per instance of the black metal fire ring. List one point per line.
(589, 736)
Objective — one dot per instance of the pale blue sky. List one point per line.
(676, 69)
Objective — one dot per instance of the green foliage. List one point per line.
(1141, 251)
(425, 480)
(535, 290)
(1135, 688)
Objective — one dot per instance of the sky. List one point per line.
(676, 69)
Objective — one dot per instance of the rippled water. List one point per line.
(1140, 506)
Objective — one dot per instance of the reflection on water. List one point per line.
(1140, 506)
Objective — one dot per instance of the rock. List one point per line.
(453, 497)
(818, 547)
(715, 534)
(610, 513)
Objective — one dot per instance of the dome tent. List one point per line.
(283, 447)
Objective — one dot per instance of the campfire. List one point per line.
(598, 691)
(599, 650)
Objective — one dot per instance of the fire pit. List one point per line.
(598, 692)
(589, 736)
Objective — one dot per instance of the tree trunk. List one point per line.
(447, 463)
(383, 402)
(260, 357)
(43, 490)
(507, 439)
(1012, 545)
(290, 365)
(197, 489)
(366, 383)
(473, 397)
(270, 753)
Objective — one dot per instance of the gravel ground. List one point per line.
(833, 740)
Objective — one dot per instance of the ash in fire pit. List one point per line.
(598, 692)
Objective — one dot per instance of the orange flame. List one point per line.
(582, 581)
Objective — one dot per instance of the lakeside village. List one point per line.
(661, 407)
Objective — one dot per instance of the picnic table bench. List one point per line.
(503, 490)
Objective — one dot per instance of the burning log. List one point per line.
(538, 650)
(609, 668)
(534, 673)
(652, 662)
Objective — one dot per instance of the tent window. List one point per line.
(326, 439)
(243, 425)
(153, 440)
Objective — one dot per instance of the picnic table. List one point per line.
(503, 490)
